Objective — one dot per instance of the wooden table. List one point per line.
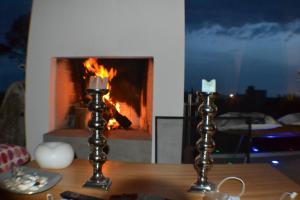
(167, 180)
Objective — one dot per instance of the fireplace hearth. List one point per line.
(129, 101)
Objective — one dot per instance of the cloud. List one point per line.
(241, 42)
(243, 18)
(251, 31)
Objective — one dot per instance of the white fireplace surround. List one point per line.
(103, 28)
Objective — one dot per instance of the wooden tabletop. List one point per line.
(167, 180)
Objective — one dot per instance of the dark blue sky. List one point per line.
(9, 11)
(242, 43)
(238, 42)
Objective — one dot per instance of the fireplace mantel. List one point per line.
(108, 28)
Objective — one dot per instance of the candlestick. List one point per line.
(97, 140)
(97, 82)
(205, 145)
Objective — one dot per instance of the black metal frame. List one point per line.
(248, 120)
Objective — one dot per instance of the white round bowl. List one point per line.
(54, 155)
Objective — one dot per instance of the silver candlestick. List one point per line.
(205, 145)
(97, 140)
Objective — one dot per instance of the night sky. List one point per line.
(9, 11)
(242, 43)
(237, 42)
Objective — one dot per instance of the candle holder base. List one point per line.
(207, 187)
(103, 183)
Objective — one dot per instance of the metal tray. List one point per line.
(52, 179)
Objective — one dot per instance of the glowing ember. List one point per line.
(112, 124)
(118, 107)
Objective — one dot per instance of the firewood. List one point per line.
(121, 119)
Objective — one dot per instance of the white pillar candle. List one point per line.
(209, 86)
(97, 82)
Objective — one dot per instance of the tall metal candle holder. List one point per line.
(205, 145)
(97, 140)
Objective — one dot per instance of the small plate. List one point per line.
(52, 178)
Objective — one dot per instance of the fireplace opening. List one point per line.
(130, 93)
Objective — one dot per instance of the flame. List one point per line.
(93, 68)
(118, 107)
(112, 124)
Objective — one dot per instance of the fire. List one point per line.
(93, 68)
(112, 124)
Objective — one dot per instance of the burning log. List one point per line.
(121, 119)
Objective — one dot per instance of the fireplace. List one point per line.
(117, 32)
(129, 102)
